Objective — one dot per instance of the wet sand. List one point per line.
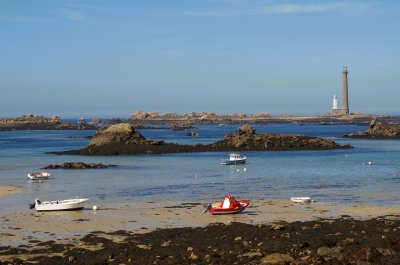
(9, 190)
(180, 233)
(30, 226)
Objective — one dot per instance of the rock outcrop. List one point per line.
(245, 138)
(180, 126)
(120, 133)
(31, 122)
(76, 165)
(124, 139)
(192, 134)
(324, 242)
(378, 130)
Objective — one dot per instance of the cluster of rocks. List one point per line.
(76, 165)
(31, 122)
(123, 133)
(260, 117)
(339, 241)
(192, 133)
(181, 126)
(245, 138)
(124, 139)
(140, 115)
(379, 130)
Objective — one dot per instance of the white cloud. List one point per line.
(277, 9)
(293, 8)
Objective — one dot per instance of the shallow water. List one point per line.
(342, 176)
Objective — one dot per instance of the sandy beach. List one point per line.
(62, 233)
(66, 226)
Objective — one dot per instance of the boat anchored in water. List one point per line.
(59, 205)
(39, 175)
(228, 206)
(234, 159)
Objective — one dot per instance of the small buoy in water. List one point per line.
(94, 208)
(244, 169)
(237, 170)
(369, 163)
(346, 155)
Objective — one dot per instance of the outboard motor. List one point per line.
(32, 205)
(207, 208)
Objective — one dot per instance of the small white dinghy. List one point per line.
(301, 199)
(39, 175)
(59, 205)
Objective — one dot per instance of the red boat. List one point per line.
(227, 206)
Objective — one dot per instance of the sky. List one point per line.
(112, 58)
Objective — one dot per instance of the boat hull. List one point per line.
(234, 162)
(218, 211)
(39, 175)
(63, 205)
(301, 199)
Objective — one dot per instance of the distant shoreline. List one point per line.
(241, 119)
(144, 119)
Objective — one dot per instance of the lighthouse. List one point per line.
(334, 103)
(344, 110)
(345, 92)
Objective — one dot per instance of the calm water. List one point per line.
(341, 176)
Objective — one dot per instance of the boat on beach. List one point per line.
(229, 205)
(234, 159)
(59, 205)
(301, 199)
(39, 175)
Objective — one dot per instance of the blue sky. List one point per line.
(111, 58)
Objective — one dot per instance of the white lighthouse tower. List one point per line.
(334, 103)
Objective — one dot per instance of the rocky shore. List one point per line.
(142, 117)
(325, 241)
(124, 139)
(31, 122)
(174, 121)
(379, 130)
(76, 165)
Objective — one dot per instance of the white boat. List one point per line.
(39, 175)
(301, 199)
(234, 159)
(59, 205)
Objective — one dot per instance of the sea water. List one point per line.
(368, 173)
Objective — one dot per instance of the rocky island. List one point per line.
(193, 118)
(76, 165)
(31, 122)
(124, 139)
(378, 130)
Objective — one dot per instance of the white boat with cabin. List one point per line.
(234, 159)
(59, 205)
(39, 175)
